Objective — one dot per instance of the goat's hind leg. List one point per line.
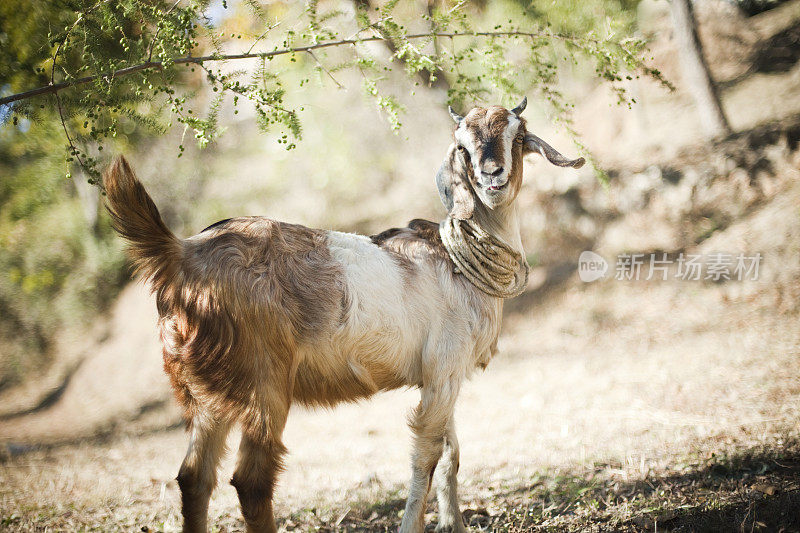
(260, 461)
(198, 474)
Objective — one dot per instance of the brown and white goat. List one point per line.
(256, 314)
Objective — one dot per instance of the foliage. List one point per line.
(57, 267)
(141, 60)
(59, 264)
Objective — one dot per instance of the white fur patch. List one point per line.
(401, 324)
(468, 140)
(373, 277)
(464, 136)
(508, 142)
(380, 324)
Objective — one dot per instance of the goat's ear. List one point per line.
(452, 181)
(535, 144)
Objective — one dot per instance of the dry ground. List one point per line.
(615, 406)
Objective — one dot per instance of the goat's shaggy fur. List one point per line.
(256, 314)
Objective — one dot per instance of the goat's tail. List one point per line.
(153, 248)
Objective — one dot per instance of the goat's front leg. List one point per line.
(429, 425)
(447, 484)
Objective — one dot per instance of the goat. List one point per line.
(256, 314)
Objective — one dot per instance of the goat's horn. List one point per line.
(535, 144)
(458, 118)
(521, 107)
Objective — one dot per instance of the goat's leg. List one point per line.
(260, 462)
(255, 478)
(198, 474)
(447, 484)
(429, 425)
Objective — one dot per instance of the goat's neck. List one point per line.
(502, 222)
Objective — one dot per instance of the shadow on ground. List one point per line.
(755, 490)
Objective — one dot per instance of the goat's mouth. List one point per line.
(496, 188)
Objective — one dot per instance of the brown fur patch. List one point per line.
(421, 236)
(255, 479)
(330, 386)
(152, 247)
(245, 297)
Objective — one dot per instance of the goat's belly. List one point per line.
(327, 379)
(366, 354)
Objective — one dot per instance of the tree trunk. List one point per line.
(695, 70)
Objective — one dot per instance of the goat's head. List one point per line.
(485, 161)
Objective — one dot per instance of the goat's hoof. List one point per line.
(450, 527)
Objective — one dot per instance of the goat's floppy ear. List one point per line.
(452, 181)
(535, 144)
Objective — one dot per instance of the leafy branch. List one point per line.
(125, 54)
(56, 87)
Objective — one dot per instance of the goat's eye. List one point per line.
(519, 139)
(461, 148)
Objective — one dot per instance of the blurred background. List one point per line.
(618, 404)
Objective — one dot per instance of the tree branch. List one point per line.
(55, 87)
(72, 148)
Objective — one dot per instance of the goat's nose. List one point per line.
(494, 172)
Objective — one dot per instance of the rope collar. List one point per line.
(486, 261)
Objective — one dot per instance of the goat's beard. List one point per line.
(496, 199)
